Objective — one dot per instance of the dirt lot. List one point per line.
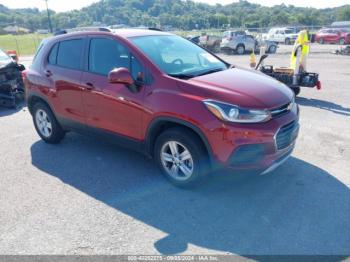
(88, 197)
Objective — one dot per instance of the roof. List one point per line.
(137, 32)
(124, 33)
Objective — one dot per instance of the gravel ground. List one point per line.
(88, 197)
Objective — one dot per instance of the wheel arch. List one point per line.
(35, 98)
(160, 124)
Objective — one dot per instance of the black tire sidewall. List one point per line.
(193, 145)
(272, 49)
(243, 48)
(57, 132)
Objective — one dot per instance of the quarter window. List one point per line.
(53, 55)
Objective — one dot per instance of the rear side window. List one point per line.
(106, 54)
(70, 53)
(52, 59)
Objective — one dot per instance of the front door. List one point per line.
(112, 107)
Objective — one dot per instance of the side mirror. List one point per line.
(120, 76)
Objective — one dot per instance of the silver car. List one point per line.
(239, 42)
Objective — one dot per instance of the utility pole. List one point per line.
(48, 16)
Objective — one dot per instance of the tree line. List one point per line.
(179, 14)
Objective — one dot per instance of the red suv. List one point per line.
(162, 95)
(333, 36)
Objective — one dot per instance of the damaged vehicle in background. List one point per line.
(11, 82)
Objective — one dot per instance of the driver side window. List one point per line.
(107, 54)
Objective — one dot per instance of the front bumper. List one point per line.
(258, 148)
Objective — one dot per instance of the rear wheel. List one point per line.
(321, 41)
(240, 49)
(287, 41)
(46, 124)
(216, 48)
(181, 157)
(272, 49)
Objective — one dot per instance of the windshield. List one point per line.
(177, 56)
(344, 30)
(289, 31)
(5, 58)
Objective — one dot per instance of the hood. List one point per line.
(242, 87)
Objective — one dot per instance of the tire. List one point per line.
(287, 41)
(181, 173)
(46, 124)
(321, 41)
(272, 49)
(342, 41)
(296, 90)
(216, 48)
(240, 49)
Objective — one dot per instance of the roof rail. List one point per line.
(82, 29)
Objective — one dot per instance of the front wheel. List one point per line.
(287, 41)
(46, 124)
(181, 157)
(240, 49)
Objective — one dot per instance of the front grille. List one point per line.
(280, 110)
(287, 135)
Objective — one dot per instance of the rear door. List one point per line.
(63, 69)
(112, 107)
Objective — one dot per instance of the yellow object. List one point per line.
(252, 60)
(303, 40)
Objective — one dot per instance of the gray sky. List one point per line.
(65, 5)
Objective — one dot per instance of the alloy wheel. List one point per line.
(177, 160)
(43, 123)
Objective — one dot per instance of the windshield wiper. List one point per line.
(211, 71)
(182, 76)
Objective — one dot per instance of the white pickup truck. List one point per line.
(286, 35)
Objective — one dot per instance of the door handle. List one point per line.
(89, 86)
(48, 73)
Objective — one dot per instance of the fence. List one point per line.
(25, 44)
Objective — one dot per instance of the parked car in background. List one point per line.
(286, 35)
(210, 42)
(161, 94)
(333, 36)
(240, 42)
(194, 38)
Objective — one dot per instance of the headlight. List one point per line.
(233, 113)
